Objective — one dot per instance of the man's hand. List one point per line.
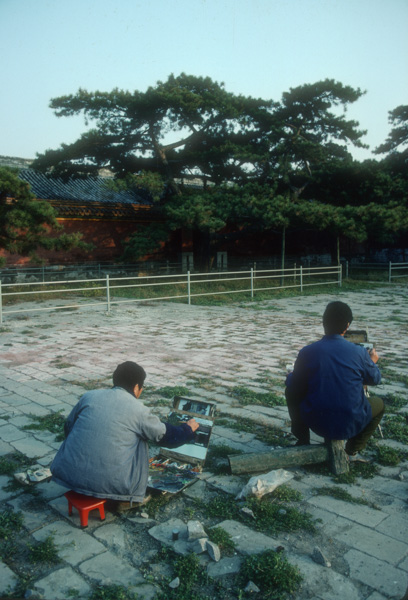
(373, 355)
(193, 424)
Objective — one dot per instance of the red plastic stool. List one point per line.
(84, 504)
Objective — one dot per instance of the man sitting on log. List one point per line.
(325, 392)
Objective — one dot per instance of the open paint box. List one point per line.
(174, 469)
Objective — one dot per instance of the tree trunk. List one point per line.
(202, 254)
(338, 249)
(294, 456)
(283, 250)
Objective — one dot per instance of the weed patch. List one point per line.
(284, 493)
(157, 502)
(10, 523)
(396, 428)
(247, 396)
(272, 573)
(390, 457)
(53, 422)
(217, 461)
(268, 434)
(223, 539)
(393, 402)
(44, 552)
(11, 462)
(340, 494)
(190, 573)
(363, 470)
(94, 384)
(170, 392)
(272, 516)
(112, 592)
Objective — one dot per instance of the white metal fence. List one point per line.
(397, 270)
(110, 291)
(390, 270)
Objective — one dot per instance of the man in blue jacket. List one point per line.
(105, 453)
(325, 392)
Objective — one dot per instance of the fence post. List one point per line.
(1, 305)
(347, 269)
(252, 282)
(340, 270)
(389, 271)
(189, 287)
(294, 273)
(108, 294)
(301, 279)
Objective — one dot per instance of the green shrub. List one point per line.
(272, 573)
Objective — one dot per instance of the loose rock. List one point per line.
(199, 546)
(195, 531)
(175, 583)
(252, 588)
(320, 558)
(213, 551)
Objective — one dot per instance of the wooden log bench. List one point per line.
(295, 456)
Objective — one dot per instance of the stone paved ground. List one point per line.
(46, 359)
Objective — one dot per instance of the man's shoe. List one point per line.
(357, 458)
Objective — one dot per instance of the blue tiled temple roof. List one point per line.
(90, 190)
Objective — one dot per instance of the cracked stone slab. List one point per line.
(164, 534)
(323, 582)
(390, 581)
(226, 566)
(35, 516)
(361, 514)
(60, 585)
(8, 579)
(199, 491)
(375, 544)
(31, 447)
(74, 546)
(248, 541)
(231, 484)
(107, 568)
(395, 526)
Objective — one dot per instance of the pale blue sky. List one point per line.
(260, 48)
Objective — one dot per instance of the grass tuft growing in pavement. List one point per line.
(112, 592)
(246, 396)
(396, 428)
(271, 513)
(273, 517)
(390, 457)
(44, 552)
(10, 523)
(272, 573)
(10, 463)
(54, 422)
(340, 494)
(364, 470)
(171, 391)
(222, 538)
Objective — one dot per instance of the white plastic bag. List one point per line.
(259, 485)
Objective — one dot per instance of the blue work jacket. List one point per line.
(328, 381)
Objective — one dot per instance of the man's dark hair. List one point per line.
(129, 374)
(336, 317)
